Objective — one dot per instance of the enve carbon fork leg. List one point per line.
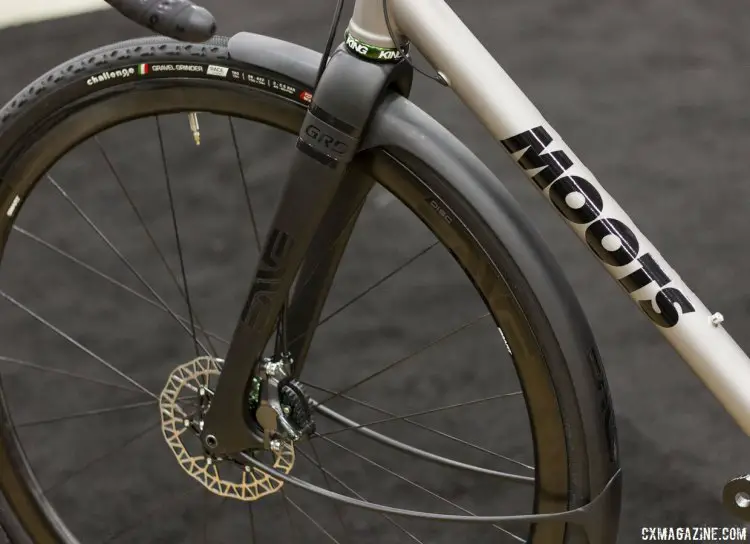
(344, 101)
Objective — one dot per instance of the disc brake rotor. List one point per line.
(181, 422)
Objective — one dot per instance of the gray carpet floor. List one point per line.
(652, 96)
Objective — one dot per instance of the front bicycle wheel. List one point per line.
(138, 181)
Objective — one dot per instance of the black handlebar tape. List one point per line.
(178, 19)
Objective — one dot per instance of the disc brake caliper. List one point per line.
(280, 405)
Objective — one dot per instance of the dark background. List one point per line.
(653, 97)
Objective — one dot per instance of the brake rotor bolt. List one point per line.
(186, 422)
(275, 446)
(247, 468)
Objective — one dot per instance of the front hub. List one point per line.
(186, 398)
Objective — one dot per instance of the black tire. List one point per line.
(575, 449)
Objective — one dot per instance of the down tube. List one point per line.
(588, 209)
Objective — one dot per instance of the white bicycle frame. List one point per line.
(471, 71)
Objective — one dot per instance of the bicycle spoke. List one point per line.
(423, 412)
(424, 427)
(119, 284)
(414, 484)
(253, 537)
(377, 283)
(244, 184)
(204, 516)
(328, 485)
(280, 344)
(150, 236)
(358, 495)
(178, 242)
(292, 526)
(170, 502)
(75, 343)
(359, 296)
(120, 256)
(208, 513)
(404, 359)
(352, 218)
(33, 366)
(102, 457)
(318, 525)
(87, 413)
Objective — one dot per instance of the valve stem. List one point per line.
(194, 127)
